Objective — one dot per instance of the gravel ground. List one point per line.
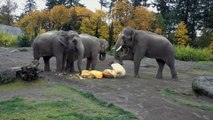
(141, 96)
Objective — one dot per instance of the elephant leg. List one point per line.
(88, 63)
(59, 61)
(46, 63)
(93, 63)
(64, 68)
(161, 64)
(72, 69)
(137, 60)
(171, 63)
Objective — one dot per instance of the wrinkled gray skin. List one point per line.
(92, 47)
(54, 43)
(138, 44)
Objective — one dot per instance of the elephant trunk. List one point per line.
(102, 56)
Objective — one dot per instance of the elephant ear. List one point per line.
(72, 34)
(131, 32)
(104, 43)
(133, 35)
(63, 38)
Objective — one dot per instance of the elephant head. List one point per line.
(124, 43)
(71, 40)
(68, 39)
(103, 47)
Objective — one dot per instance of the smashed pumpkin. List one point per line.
(107, 73)
(118, 69)
(96, 74)
(85, 73)
(91, 74)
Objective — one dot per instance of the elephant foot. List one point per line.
(175, 78)
(47, 70)
(137, 76)
(159, 77)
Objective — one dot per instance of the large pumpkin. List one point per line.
(85, 73)
(96, 74)
(119, 69)
(91, 74)
(107, 73)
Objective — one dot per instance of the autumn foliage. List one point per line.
(181, 34)
(84, 20)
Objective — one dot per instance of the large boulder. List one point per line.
(203, 86)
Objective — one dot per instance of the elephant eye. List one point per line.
(123, 37)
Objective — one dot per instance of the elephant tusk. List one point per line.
(119, 48)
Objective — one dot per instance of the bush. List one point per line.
(191, 54)
(23, 40)
(7, 40)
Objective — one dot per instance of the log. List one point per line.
(28, 73)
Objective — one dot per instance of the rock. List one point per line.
(23, 49)
(14, 51)
(203, 86)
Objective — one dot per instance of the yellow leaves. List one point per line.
(59, 15)
(83, 12)
(96, 24)
(84, 20)
(142, 19)
(117, 29)
(122, 11)
(33, 21)
(159, 31)
(42, 31)
(181, 34)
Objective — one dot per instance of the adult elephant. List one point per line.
(92, 47)
(57, 44)
(138, 44)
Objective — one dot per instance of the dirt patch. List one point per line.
(142, 96)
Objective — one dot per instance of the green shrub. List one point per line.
(7, 40)
(192, 54)
(23, 40)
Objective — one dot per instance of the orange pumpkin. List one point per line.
(85, 73)
(96, 74)
(107, 73)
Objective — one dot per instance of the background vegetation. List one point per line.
(184, 23)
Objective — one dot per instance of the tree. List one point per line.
(59, 16)
(111, 5)
(122, 11)
(35, 22)
(205, 39)
(207, 13)
(74, 22)
(136, 3)
(181, 34)
(51, 3)
(103, 3)
(68, 3)
(6, 12)
(96, 25)
(142, 19)
(29, 6)
(211, 44)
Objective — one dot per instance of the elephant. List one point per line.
(92, 47)
(136, 44)
(57, 44)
